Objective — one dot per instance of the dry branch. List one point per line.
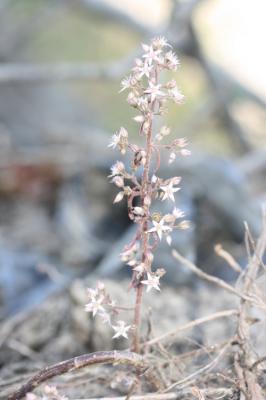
(192, 324)
(244, 357)
(211, 392)
(202, 370)
(210, 278)
(228, 258)
(101, 357)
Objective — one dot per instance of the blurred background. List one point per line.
(61, 63)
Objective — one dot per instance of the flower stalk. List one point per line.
(140, 185)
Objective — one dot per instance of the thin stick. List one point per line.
(200, 371)
(228, 258)
(209, 278)
(73, 364)
(244, 357)
(191, 324)
(211, 392)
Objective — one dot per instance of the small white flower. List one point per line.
(154, 91)
(120, 139)
(172, 157)
(142, 68)
(140, 268)
(176, 96)
(126, 83)
(95, 305)
(152, 282)
(169, 191)
(160, 42)
(171, 60)
(128, 254)
(121, 329)
(142, 103)
(114, 141)
(117, 169)
(151, 54)
(118, 181)
(159, 228)
(178, 213)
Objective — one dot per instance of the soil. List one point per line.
(59, 329)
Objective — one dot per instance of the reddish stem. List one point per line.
(144, 226)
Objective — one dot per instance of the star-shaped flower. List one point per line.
(159, 228)
(120, 329)
(154, 91)
(143, 69)
(120, 139)
(171, 60)
(140, 268)
(117, 169)
(160, 42)
(176, 96)
(169, 191)
(95, 305)
(114, 141)
(152, 54)
(152, 282)
(126, 83)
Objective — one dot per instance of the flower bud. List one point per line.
(147, 200)
(118, 181)
(171, 84)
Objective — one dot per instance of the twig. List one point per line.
(228, 258)
(191, 324)
(244, 357)
(207, 277)
(202, 370)
(211, 392)
(85, 360)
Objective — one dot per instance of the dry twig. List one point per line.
(210, 278)
(192, 324)
(102, 357)
(244, 357)
(228, 258)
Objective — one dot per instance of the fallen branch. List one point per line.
(172, 395)
(101, 357)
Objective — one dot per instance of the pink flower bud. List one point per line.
(118, 181)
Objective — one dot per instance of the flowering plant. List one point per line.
(140, 185)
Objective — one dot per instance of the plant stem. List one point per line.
(144, 235)
(144, 226)
(137, 318)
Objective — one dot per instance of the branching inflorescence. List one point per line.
(140, 185)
